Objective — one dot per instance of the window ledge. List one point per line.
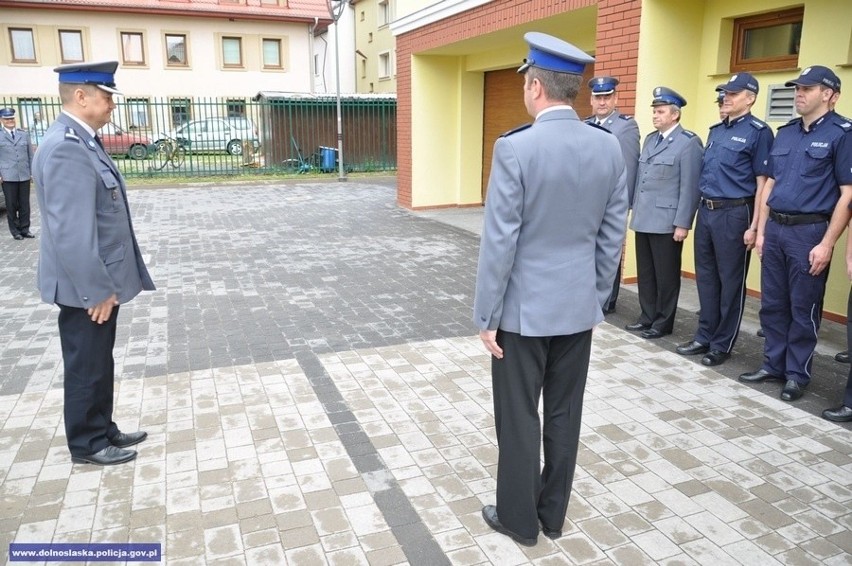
(757, 72)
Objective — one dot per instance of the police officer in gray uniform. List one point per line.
(554, 224)
(664, 205)
(16, 158)
(604, 101)
(90, 262)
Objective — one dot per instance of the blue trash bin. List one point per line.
(328, 159)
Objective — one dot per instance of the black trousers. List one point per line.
(847, 394)
(553, 369)
(17, 195)
(658, 270)
(89, 379)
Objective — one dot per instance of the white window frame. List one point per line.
(385, 65)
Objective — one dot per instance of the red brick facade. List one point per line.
(617, 47)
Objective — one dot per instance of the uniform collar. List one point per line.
(730, 123)
(816, 123)
(82, 124)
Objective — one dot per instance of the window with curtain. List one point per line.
(232, 51)
(23, 45)
(272, 54)
(132, 48)
(71, 45)
(138, 115)
(176, 55)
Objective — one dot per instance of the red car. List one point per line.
(120, 142)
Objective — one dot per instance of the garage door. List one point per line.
(504, 110)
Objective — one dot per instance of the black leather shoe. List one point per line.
(757, 376)
(637, 326)
(489, 513)
(609, 309)
(652, 334)
(18, 237)
(841, 414)
(27, 234)
(842, 357)
(692, 348)
(715, 358)
(109, 456)
(792, 391)
(552, 534)
(123, 440)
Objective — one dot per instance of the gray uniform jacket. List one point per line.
(667, 194)
(626, 130)
(16, 156)
(88, 248)
(554, 224)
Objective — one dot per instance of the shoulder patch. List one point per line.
(843, 122)
(70, 134)
(625, 117)
(516, 130)
(601, 128)
(757, 124)
(688, 134)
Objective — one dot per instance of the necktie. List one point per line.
(12, 133)
(660, 138)
(100, 143)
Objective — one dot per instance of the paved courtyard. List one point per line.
(315, 393)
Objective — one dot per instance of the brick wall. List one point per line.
(617, 42)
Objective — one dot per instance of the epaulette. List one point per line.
(592, 124)
(790, 123)
(590, 118)
(843, 122)
(716, 125)
(516, 130)
(625, 117)
(757, 124)
(688, 134)
(70, 134)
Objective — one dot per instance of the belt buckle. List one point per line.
(709, 204)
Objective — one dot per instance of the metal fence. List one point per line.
(274, 133)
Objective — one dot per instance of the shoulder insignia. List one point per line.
(790, 123)
(601, 128)
(589, 119)
(843, 122)
(625, 117)
(516, 130)
(716, 125)
(688, 134)
(757, 124)
(70, 134)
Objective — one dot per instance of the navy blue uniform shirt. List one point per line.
(809, 167)
(737, 152)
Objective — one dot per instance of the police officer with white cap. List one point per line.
(664, 205)
(734, 170)
(89, 262)
(805, 209)
(554, 224)
(604, 101)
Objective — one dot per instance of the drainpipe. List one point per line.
(311, 54)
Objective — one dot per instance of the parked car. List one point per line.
(215, 134)
(119, 142)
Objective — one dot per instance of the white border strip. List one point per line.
(434, 13)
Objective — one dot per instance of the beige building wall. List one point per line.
(375, 55)
(203, 77)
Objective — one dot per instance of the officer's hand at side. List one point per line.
(680, 234)
(489, 338)
(749, 238)
(819, 257)
(101, 312)
(758, 245)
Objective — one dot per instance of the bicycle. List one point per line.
(168, 150)
(300, 164)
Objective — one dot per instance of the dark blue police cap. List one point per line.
(603, 85)
(7, 112)
(663, 95)
(817, 75)
(552, 54)
(739, 83)
(101, 74)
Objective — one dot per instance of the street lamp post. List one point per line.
(335, 8)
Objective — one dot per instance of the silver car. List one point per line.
(216, 134)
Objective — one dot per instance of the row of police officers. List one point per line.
(786, 196)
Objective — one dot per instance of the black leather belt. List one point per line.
(793, 219)
(716, 204)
